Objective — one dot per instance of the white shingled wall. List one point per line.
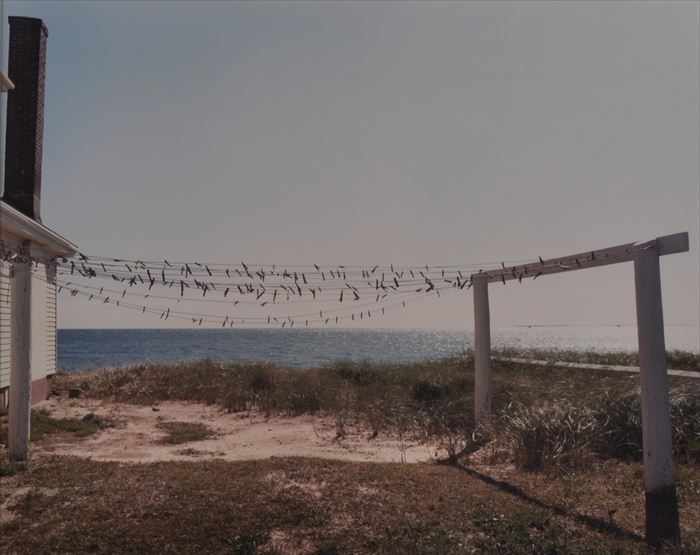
(38, 308)
(51, 319)
(43, 357)
(5, 328)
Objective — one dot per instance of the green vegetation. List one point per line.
(564, 435)
(184, 432)
(677, 360)
(43, 424)
(573, 436)
(544, 417)
(266, 507)
(9, 469)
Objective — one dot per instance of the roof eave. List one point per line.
(23, 226)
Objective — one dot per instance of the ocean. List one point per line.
(83, 349)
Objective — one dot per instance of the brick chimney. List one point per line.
(25, 115)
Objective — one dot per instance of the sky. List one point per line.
(363, 133)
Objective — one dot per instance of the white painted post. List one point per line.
(662, 524)
(20, 373)
(482, 350)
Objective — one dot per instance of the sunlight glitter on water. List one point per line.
(84, 349)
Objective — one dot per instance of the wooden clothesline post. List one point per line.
(660, 490)
(662, 522)
(482, 351)
(20, 368)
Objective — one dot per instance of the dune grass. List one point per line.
(573, 436)
(545, 416)
(43, 425)
(676, 359)
(177, 433)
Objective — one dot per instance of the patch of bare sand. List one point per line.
(135, 437)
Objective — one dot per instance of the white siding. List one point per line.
(39, 355)
(51, 319)
(5, 327)
(43, 357)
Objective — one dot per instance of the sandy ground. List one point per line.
(135, 436)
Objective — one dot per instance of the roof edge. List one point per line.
(19, 224)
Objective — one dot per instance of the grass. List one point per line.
(546, 416)
(564, 434)
(262, 507)
(576, 485)
(184, 432)
(677, 360)
(544, 436)
(43, 425)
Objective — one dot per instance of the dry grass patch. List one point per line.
(559, 411)
(44, 425)
(184, 432)
(259, 507)
(548, 419)
(678, 360)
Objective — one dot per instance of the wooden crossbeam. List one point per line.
(668, 244)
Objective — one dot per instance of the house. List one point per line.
(18, 229)
(28, 249)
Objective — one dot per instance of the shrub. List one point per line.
(620, 422)
(236, 400)
(685, 419)
(428, 392)
(620, 419)
(358, 373)
(450, 425)
(552, 435)
(262, 380)
(184, 432)
(541, 436)
(303, 402)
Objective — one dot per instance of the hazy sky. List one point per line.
(373, 133)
